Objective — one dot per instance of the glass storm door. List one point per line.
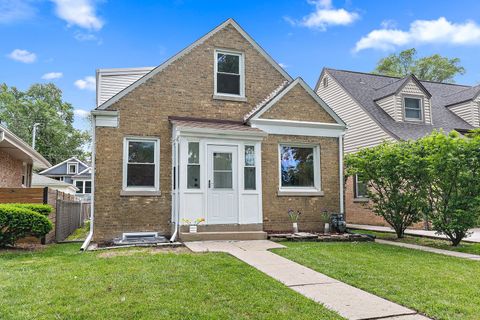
(222, 207)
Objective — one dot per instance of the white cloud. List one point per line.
(325, 15)
(87, 83)
(52, 75)
(15, 10)
(80, 13)
(22, 56)
(81, 113)
(440, 31)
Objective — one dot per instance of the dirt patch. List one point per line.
(24, 247)
(110, 253)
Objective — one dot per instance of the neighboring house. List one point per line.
(380, 108)
(74, 172)
(39, 181)
(17, 160)
(219, 131)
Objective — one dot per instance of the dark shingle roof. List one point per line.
(467, 94)
(365, 88)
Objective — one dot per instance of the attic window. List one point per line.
(229, 75)
(412, 109)
(325, 82)
(72, 168)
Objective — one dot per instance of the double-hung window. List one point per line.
(249, 170)
(299, 168)
(229, 73)
(193, 166)
(412, 109)
(141, 164)
(360, 187)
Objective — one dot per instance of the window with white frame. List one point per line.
(193, 166)
(412, 108)
(79, 185)
(299, 167)
(72, 168)
(360, 187)
(249, 170)
(84, 186)
(229, 74)
(141, 164)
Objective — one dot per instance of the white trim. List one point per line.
(317, 174)
(299, 128)
(76, 168)
(241, 73)
(220, 133)
(340, 174)
(161, 67)
(84, 182)
(307, 88)
(59, 164)
(156, 186)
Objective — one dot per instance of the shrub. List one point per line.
(18, 222)
(43, 209)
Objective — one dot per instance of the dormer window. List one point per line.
(229, 75)
(72, 168)
(412, 109)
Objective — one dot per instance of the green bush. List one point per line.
(43, 209)
(17, 222)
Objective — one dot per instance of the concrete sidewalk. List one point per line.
(455, 254)
(474, 237)
(348, 301)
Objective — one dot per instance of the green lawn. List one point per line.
(467, 247)
(80, 233)
(440, 286)
(62, 283)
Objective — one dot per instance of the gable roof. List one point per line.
(19, 149)
(468, 94)
(363, 87)
(86, 173)
(162, 66)
(72, 159)
(42, 181)
(397, 86)
(262, 108)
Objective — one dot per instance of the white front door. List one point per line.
(222, 205)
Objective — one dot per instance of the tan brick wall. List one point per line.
(275, 207)
(185, 88)
(11, 171)
(298, 105)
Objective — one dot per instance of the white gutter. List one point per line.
(175, 182)
(89, 238)
(340, 166)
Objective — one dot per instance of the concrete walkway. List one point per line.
(474, 237)
(434, 250)
(348, 301)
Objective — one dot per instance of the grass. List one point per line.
(467, 247)
(439, 286)
(80, 233)
(62, 283)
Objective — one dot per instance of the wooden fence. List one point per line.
(52, 197)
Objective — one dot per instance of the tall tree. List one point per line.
(431, 68)
(56, 137)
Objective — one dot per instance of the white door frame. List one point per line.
(222, 203)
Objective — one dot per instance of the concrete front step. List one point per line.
(223, 235)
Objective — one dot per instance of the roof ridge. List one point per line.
(395, 77)
(267, 99)
(454, 93)
(400, 79)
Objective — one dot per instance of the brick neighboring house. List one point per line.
(219, 131)
(380, 108)
(17, 160)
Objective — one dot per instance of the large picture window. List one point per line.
(141, 164)
(299, 167)
(229, 73)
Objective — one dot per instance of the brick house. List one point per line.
(17, 160)
(379, 108)
(219, 131)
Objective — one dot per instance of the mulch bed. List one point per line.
(319, 237)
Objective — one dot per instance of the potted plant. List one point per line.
(192, 225)
(326, 221)
(294, 215)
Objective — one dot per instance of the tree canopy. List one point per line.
(430, 68)
(56, 138)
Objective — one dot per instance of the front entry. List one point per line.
(222, 188)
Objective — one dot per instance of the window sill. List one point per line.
(229, 98)
(133, 193)
(306, 193)
(359, 200)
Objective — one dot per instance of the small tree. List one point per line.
(394, 175)
(453, 183)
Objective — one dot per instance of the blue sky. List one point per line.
(64, 41)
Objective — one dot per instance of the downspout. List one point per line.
(340, 167)
(89, 238)
(175, 182)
